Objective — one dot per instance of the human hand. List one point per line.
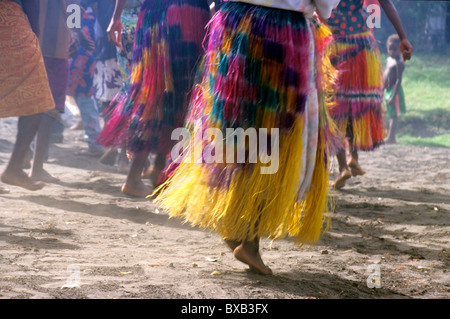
(115, 32)
(390, 102)
(74, 47)
(86, 43)
(406, 48)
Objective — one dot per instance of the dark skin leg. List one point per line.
(123, 161)
(134, 186)
(41, 148)
(153, 172)
(353, 163)
(392, 131)
(14, 174)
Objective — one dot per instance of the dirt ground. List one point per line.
(82, 238)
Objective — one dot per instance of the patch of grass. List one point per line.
(442, 140)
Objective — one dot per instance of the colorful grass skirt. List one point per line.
(167, 48)
(261, 71)
(359, 94)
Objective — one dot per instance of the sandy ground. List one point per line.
(82, 238)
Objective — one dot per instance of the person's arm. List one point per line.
(386, 77)
(84, 42)
(392, 14)
(115, 26)
(324, 8)
(31, 9)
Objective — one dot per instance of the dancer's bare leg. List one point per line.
(38, 173)
(392, 131)
(123, 162)
(134, 186)
(353, 163)
(155, 170)
(14, 175)
(232, 243)
(344, 170)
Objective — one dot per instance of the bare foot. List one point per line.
(43, 176)
(340, 181)
(355, 168)
(137, 189)
(22, 180)
(233, 244)
(248, 254)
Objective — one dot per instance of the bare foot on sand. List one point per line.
(355, 168)
(43, 176)
(249, 254)
(22, 180)
(340, 181)
(136, 189)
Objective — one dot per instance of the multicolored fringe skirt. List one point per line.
(167, 47)
(359, 94)
(261, 73)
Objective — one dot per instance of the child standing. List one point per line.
(359, 87)
(262, 70)
(393, 91)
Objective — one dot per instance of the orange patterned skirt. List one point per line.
(24, 88)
